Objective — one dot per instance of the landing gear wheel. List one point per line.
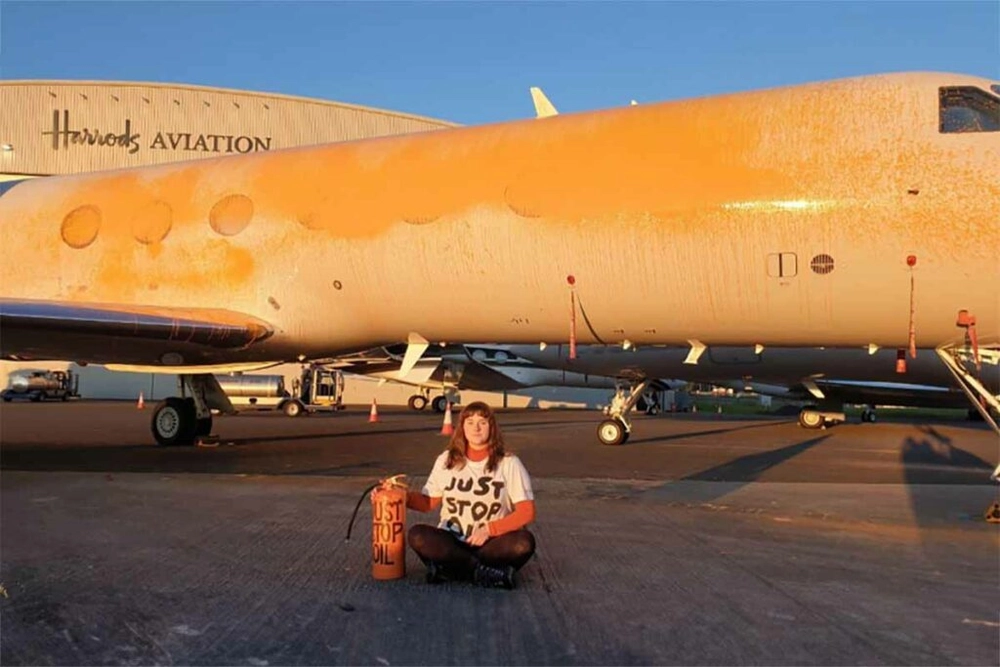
(810, 419)
(439, 404)
(417, 402)
(868, 416)
(612, 432)
(174, 422)
(292, 409)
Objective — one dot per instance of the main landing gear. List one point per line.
(422, 400)
(813, 418)
(438, 404)
(417, 402)
(616, 429)
(181, 421)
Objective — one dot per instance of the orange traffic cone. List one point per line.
(373, 415)
(141, 403)
(446, 427)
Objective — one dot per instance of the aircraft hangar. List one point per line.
(69, 127)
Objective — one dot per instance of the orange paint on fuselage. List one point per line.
(666, 213)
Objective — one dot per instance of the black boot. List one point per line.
(435, 573)
(489, 576)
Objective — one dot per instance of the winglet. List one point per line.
(543, 108)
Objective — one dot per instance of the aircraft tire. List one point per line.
(611, 432)
(810, 419)
(174, 422)
(439, 404)
(417, 402)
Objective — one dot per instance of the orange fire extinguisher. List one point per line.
(388, 527)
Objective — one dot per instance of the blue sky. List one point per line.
(472, 62)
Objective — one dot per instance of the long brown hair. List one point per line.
(458, 443)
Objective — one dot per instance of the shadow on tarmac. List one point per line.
(739, 472)
(922, 462)
(698, 434)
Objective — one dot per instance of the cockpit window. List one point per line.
(968, 109)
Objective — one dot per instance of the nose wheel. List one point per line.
(612, 432)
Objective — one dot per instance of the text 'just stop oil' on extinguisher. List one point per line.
(388, 526)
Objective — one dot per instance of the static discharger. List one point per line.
(572, 316)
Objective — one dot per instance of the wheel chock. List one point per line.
(993, 513)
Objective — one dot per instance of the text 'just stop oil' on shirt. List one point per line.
(472, 496)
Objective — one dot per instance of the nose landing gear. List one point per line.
(616, 429)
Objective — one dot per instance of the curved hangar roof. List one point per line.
(64, 127)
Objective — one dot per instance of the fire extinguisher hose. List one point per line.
(354, 515)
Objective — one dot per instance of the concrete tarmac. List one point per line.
(703, 540)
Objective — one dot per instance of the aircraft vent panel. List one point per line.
(821, 264)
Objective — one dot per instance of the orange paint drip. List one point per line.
(913, 333)
(572, 324)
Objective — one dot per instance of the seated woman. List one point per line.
(486, 501)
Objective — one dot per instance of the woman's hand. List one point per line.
(479, 536)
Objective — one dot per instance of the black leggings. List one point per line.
(460, 559)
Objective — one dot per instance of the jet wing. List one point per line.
(893, 393)
(126, 334)
(477, 376)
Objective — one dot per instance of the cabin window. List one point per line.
(968, 109)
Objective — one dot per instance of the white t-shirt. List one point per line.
(472, 497)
